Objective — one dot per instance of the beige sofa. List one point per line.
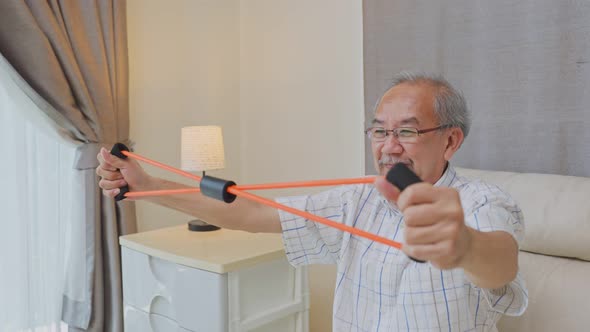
(555, 254)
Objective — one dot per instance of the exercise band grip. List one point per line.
(402, 177)
(117, 151)
(217, 188)
(122, 191)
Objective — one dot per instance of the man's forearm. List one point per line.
(492, 261)
(241, 214)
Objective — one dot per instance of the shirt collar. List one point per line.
(447, 178)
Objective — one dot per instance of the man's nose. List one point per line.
(391, 145)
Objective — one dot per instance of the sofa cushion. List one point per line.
(558, 295)
(556, 210)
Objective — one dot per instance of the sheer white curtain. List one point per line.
(38, 215)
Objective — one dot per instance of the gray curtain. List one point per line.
(71, 58)
(524, 67)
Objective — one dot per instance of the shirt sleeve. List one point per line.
(511, 300)
(495, 210)
(309, 242)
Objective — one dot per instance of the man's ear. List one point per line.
(454, 140)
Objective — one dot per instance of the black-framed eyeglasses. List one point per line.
(401, 134)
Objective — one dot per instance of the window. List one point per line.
(36, 215)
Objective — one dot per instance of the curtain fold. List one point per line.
(70, 58)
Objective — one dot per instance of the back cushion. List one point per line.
(559, 296)
(556, 210)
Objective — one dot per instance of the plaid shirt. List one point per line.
(377, 287)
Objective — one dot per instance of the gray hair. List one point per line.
(449, 104)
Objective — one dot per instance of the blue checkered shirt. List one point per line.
(377, 287)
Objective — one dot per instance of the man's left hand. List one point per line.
(435, 229)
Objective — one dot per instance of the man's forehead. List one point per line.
(409, 95)
(408, 103)
(410, 120)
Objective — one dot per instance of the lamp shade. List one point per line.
(202, 148)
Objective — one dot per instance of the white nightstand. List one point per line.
(178, 280)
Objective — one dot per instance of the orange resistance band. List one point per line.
(280, 185)
(317, 183)
(237, 190)
(162, 192)
(319, 219)
(160, 165)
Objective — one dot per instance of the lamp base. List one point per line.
(199, 225)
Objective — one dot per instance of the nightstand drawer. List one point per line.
(137, 320)
(194, 298)
(222, 281)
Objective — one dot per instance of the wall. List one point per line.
(301, 89)
(283, 78)
(184, 67)
(301, 103)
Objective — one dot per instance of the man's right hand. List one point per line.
(242, 214)
(115, 173)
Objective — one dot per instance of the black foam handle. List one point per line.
(402, 177)
(217, 188)
(122, 191)
(116, 150)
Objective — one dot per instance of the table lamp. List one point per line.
(201, 150)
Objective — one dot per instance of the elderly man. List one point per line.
(467, 231)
